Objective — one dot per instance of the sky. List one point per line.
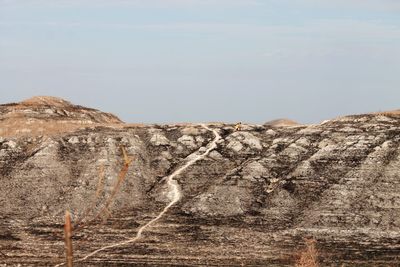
(163, 61)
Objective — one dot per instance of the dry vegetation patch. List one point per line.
(309, 256)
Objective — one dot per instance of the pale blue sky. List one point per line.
(204, 60)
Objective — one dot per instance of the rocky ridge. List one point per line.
(250, 202)
(44, 115)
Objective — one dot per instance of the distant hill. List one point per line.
(44, 115)
(281, 122)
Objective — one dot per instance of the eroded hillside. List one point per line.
(250, 201)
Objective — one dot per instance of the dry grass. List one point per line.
(68, 240)
(92, 206)
(105, 211)
(121, 177)
(308, 257)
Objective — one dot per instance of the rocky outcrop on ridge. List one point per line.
(250, 202)
(44, 115)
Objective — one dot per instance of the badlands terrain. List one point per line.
(196, 194)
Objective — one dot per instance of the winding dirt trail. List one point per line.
(174, 193)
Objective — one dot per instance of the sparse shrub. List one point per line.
(308, 257)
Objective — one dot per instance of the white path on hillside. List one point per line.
(173, 192)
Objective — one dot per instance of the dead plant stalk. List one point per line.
(68, 239)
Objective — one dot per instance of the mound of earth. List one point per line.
(281, 122)
(43, 115)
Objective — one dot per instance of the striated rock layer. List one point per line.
(250, 202)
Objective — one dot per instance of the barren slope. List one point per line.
(250, 201)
